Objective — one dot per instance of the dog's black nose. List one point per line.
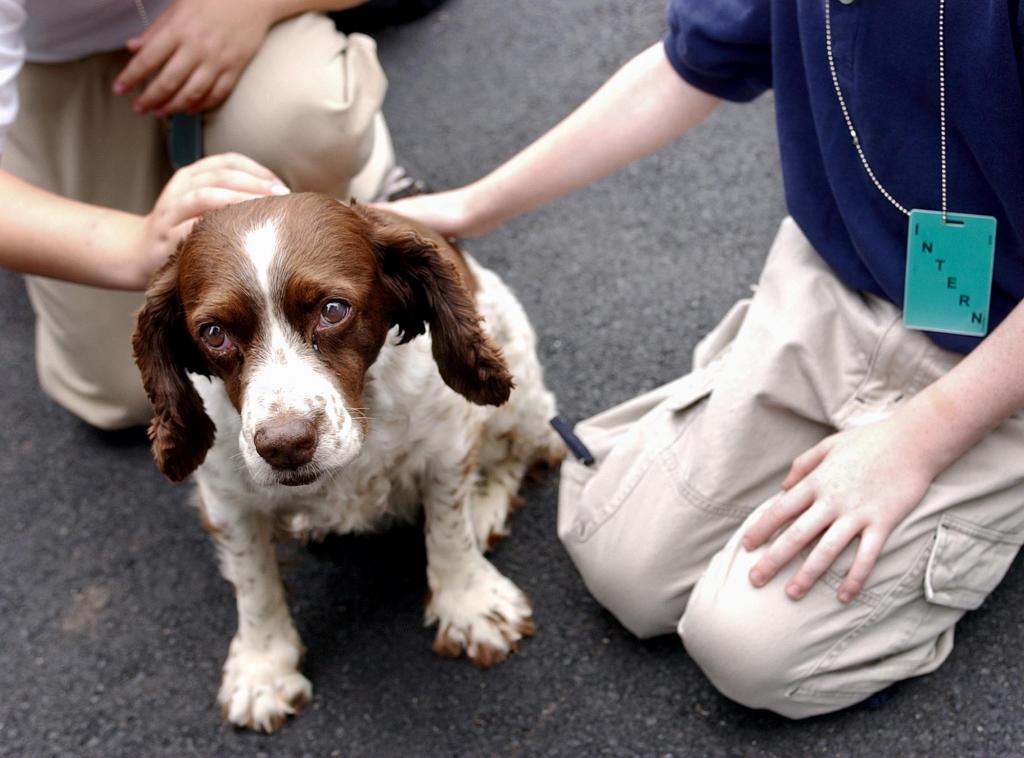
(286, 442)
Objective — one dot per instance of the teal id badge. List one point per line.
(949, 272)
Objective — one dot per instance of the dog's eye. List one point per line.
(215, 337)
(333, 313)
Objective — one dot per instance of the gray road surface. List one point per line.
(114, 621)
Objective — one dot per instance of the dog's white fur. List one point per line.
(425, 444)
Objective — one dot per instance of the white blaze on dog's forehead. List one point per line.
(260, 245)
(287, 376)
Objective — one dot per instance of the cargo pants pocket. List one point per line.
(627, 439)
(967, 562)
(589, 495)
(910, 631)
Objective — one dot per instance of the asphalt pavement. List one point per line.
(114, 620)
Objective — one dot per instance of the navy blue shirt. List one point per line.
(886, 55)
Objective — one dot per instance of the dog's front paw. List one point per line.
(260, 689)
(484, 617)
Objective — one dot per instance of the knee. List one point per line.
(638, 551)
(108, 403)
(742, 656)
(100, 385)
(106, 411)
(309, 117)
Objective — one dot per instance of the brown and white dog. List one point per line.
(277, 346)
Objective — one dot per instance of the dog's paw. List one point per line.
(260, 689)
(484, 618)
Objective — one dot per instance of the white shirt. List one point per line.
(57, 31)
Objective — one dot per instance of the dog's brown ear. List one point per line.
(181, 432)
(426, 289)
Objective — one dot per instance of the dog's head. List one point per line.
(289, 300)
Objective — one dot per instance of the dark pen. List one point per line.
(574, 443)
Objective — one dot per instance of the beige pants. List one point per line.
(307, 106)
(654, 526)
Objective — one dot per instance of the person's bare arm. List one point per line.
(288, 8)
(45, 234)
(645, 105)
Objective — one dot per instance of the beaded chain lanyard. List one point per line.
(949, 255)
(142, 12)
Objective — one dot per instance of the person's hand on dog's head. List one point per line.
(48, 235)
(207, 184)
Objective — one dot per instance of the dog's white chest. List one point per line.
(366, 497)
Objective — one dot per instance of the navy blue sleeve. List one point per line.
(722, 47)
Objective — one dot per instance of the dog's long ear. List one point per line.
(181, 432)
(427, 289)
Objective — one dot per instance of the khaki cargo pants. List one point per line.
(307, 107)
(654, 526)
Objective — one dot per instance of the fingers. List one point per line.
(871, 542)
(806, 462)
(168, 82)
(238, 180)
(445, 212)
(191, 93)
(787, 506)
(233, 161)
(196, 202)
(152, 53)
(785, 548)
(218, 92)
(831, 544)
(213, 182)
